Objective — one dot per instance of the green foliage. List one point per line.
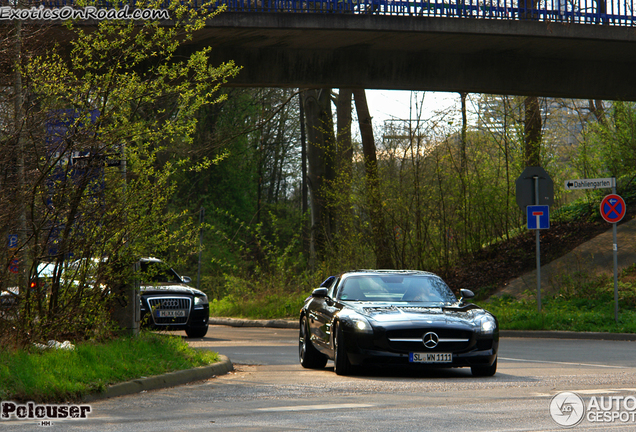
(441, 198)
(62, 375)
(259, 305)
(444, 194)
(610, 145)
(584, 303)
(584, 209)
(271, 279)
(119, 91)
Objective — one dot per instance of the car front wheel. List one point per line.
(196, 332)
(341, 363)
(484, 371)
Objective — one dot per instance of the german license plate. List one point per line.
(431, 357)
(171, 313)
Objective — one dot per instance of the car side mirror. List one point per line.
(186, 279)
(465, 294)
(319, 292)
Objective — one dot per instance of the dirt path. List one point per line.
(593, 257)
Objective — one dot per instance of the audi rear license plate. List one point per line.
(431, 357)
(171, 313)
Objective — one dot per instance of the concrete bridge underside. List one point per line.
(436, 54)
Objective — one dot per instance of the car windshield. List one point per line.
(396, 288)
(158, 272)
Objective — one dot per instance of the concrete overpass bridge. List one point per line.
(561, 48)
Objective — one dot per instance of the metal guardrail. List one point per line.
(595, 12)
(612, 12)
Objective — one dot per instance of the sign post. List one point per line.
(613, 209)
(535, 193)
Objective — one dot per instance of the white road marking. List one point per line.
(315, 407)
(590, 392)
(564, 363)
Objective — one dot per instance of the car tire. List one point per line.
(196, 332)
(484, 371)
(341, 363)
(309, 356)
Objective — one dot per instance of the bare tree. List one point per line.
(318, 119)
(378, 224)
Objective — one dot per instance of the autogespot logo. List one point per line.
(567, 409)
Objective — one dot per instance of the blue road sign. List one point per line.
(14, 266)
(613, 208)
(12, 241)
(538, 216)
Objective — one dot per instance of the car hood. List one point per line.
(393, 313)
(169, 289)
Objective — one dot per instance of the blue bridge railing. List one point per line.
(613, 12)
(608, 12)
(596, 12)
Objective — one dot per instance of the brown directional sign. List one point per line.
(526, 188)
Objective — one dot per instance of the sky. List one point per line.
(394, 104)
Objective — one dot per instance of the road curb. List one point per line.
(240, 322)
(169, 379)
(539, 334)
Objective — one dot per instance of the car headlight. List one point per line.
(488, 324)
(356, 320)
(200, 301)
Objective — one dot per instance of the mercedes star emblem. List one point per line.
(430, 340)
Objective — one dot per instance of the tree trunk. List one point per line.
(22, 256)
(345, 149)
(532, 132)
(317, 107)
(344, 160)
(596, 108)
(303, 153)
(463, 135)
(303, 195)
(378, 225)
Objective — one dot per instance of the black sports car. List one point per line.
(395, 317)
(167, 303)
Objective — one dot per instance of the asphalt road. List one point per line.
(270, 391)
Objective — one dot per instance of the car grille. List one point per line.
(411, 340)
(176, 310)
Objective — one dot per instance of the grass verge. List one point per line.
(271, 306)
(585, 303)
(61, 375)
(558, 313)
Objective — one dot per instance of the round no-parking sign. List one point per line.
(14, 266)
(613, 208)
